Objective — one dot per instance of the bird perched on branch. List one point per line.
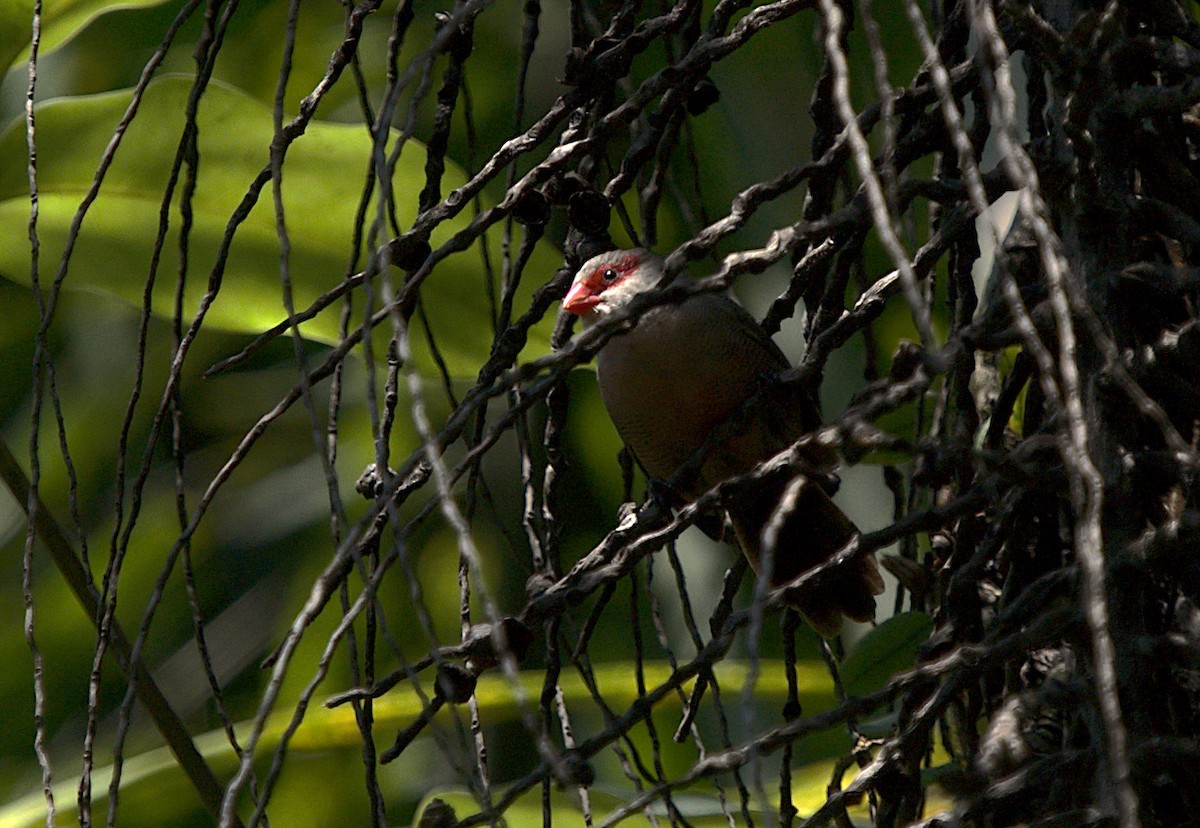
(703, 366)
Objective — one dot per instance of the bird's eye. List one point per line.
(609, 275)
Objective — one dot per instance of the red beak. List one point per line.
(580, 299)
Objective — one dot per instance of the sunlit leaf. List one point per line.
(324, 175)
(326, 729)
(61, 20)
(699, 804)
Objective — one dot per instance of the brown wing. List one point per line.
(816, 529)
(785, 412)
(686, 370)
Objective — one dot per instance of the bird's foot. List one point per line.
(626, 515)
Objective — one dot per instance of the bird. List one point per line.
(687, 368)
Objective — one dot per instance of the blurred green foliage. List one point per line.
(267, 537)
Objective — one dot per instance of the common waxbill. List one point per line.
(687, 368)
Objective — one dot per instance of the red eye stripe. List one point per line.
(624, 266)
(626, 263)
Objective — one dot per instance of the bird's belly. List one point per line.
(665, 399)
(661, 429)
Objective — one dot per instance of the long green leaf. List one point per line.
(884, 651)
(61, 20)
(327, 729)
(323, 177)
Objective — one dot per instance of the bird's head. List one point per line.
(610, 281)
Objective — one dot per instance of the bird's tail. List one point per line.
(813, 531)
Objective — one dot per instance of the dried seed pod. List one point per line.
(437, 814)
(532, 208)
(704, 95)
(560, 188)
(454, 683)
(409, 252)
(588, 211)
(575, 770)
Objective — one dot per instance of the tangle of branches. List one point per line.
(1034, 422)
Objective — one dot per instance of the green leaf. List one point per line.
(323, 177)
(15, 29)
(884, 651)
(698, 804)
(61, 20)
(330, 729)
